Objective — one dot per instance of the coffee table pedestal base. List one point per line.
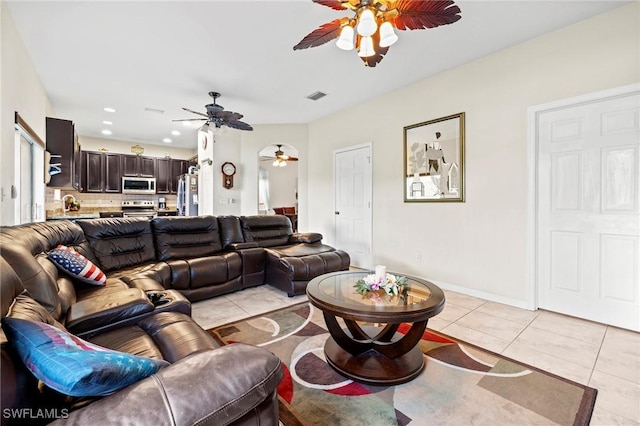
(372, 367)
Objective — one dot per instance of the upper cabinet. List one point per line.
(167, 172)
(62, 144)
(103, 171)
(100, 172)
(138, 165)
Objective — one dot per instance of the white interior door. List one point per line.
(588, 216)
(353, 189)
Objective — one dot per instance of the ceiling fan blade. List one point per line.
(191, 119)
(418, 15)
(240, 125)
(333, 4)
(227, 115)
(195, 112)
(322, 35)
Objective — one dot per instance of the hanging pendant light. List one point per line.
(366, 47)
(345, 42)
(387, 35)
(367, 25)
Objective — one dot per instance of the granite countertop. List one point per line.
(74, 216)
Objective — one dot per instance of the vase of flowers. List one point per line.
(391, 284)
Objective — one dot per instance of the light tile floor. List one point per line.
(603, 357)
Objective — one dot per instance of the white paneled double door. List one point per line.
(588, 214)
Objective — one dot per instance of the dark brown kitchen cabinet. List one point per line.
(112, 172)
(163, 172)
(100, 172)
(62, 144)
(178, 167)
(167, 172)
(137, 165)
(92, 179)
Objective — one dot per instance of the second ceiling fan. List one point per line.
(279, 158)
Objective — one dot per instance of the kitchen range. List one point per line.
(139, 208)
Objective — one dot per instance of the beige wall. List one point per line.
(480, 245)
(124, 147)
(21, 91)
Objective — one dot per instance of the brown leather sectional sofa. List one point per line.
(154, 269)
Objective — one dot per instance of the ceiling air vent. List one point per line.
(316, 95)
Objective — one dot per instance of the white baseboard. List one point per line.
(522, 304)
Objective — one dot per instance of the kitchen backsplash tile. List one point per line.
(97, 202)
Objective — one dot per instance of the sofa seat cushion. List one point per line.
(96, 312)
(292, 273)
(301, 250)
(147, 276)
(132, 340)
(205, 271)
(177, 335)
(74, 366)
(112, 285)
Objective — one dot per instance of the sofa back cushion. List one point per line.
(41, 285)
(266, 231)
(185, 237)
(230, 230)
(119, 242)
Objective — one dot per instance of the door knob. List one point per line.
(336, 212)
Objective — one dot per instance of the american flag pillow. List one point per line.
(77, 265)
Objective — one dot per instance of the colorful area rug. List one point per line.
(460, 385)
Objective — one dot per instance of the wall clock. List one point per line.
(228, 170)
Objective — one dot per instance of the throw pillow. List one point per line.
(76, 265)
(73, 366)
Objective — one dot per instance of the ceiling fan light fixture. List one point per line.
(279, 163)
(380, 20)
(387, 35)
(205, 127)
(345, 41)
(367, 25)
(366, 47)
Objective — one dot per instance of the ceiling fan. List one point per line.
(371, 30)
(280, 158)
(217, 116)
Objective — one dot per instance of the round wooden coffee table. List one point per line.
(369, 348)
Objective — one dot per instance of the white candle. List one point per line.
(381, 271)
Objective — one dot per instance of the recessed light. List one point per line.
(109, 123)
(186, 123)
(106, 132)
(109, 109)
(175, 133)
(166, 140)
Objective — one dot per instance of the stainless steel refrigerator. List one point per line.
(187, 197)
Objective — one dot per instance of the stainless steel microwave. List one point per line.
(138, 185)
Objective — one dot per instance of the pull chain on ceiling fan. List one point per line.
(371, 30)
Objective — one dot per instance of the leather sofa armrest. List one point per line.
(96, 312)
(242, 246)
(307, 238)
(213, 387)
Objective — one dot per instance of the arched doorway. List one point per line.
(277, 178)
